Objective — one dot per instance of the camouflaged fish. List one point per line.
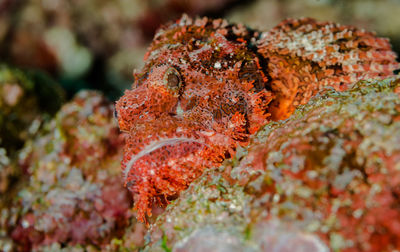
(207, 85)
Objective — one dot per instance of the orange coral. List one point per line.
(207, 85)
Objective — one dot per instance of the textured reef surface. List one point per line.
(22, 91)
(328, 177)
(72, 194)
(325, 178)
(207, 85)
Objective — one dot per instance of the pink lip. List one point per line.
(155, 145)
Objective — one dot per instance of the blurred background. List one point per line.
(96, 44)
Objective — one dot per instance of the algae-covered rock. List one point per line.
(325, 179)
(26, 100)
(74, 197)
(6, 170)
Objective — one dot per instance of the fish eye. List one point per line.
(172, 79)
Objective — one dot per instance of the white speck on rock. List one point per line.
(25, 224)
(217, 65)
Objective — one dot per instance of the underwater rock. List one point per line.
(27, 99)
(74, 195)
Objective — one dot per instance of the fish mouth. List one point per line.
(170, 143)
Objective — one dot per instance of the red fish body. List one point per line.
(207, 85)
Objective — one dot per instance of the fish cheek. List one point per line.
(189, 104)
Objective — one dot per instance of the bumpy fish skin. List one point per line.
(207, 85)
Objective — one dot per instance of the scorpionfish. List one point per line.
(207, 85)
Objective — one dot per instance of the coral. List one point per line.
(207, 85)
(325, 179)
(28, 99)
(339, 166)
(21, 92)
(6, 171)
(74, 195)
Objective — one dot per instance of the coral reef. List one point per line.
(6, 172)
(27, 101)
(21, 92)
(234, 139)
(74, 196)
(207, 85)
(325, 179)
